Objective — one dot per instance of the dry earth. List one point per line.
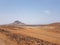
(30, 35)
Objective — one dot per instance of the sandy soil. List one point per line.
(12, 35)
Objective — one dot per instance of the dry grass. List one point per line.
(10, 35)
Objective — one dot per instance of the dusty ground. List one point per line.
(25, 35)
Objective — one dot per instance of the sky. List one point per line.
(30, 11)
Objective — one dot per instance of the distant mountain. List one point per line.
(17, 23)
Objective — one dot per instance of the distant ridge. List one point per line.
(55, 24)
(17, 23)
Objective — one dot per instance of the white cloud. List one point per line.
(47, 11)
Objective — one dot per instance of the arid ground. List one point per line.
(30, 35)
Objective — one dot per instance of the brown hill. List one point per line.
(29, 35)
(55, 24)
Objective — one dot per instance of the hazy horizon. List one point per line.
(30, 11)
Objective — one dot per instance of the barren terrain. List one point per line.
(30, 35)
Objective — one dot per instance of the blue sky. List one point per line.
(30, 11)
